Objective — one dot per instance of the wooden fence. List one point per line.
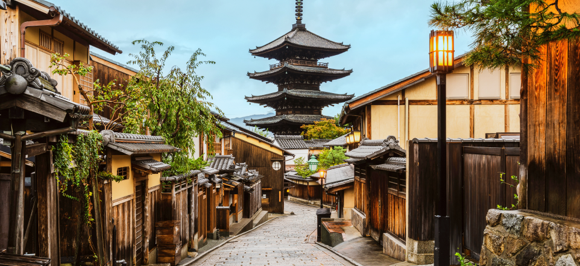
(473, 186)
(253, 200)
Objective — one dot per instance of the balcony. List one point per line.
(296, 62)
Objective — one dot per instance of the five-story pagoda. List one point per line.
(298, 75)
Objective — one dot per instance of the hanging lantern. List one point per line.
(356, 136)
(312, 163)
(441, 51)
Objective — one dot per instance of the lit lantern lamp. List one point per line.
(441, 51)
(441, 60)
(313, 164)
(356, 136)
(322, 174)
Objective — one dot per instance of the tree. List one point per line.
(119, 101)
(174, 104)
(263, 133)
(331, 157)
(505, 31)
(302, 168)
(323, 129)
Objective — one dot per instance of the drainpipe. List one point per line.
(53, 22)
(399, 117)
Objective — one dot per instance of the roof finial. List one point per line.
(299, 5)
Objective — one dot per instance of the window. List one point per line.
(515, 85)
(50, 43)
(457, 86)
(58, 46)
(489, 84)
(276, 165)
(124, 172)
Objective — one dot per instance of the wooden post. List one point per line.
(98, 221)
(46, 193)
(16, 237)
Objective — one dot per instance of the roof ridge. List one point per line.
(347, 45)
(283, 35)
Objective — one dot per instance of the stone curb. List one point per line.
(329, 248)
(228, 240)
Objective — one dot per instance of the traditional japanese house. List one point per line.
(295, 144)
(337, 142)
(339, 183)
(479, 101)
(259, 153)
(32, 109)
(298, 75)
(379, 190)
(302, 189)
(315, 146)
(36, 29)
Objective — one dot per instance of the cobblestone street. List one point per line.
(288, 240)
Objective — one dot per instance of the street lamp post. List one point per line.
(441, 56)
(322, 174)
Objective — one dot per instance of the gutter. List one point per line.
(53, 22)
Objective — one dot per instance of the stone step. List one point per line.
(394, 247)
(260, 218)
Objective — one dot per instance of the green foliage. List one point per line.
(183, 165)
(331, 157)
(263, 133)
(503, 181)
(173, 103)
(463, 261)
(109, 176)
(323, 129)
(505, 31)
(302, 169)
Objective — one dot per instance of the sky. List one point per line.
(388, 38)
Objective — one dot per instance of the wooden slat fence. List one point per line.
(253, 200)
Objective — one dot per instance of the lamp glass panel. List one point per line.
(356, 136)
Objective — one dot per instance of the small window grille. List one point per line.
(45, 40)
(58, 46)
(124, 172)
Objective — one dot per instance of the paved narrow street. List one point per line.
(288, 240)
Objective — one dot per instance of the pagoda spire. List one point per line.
(299, 9)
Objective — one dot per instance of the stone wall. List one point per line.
(526, 238)
(394, 247)
(358, 220)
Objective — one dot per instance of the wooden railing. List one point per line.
(299, 63)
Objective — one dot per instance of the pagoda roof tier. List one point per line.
(281, 74)
(327, 97)
(297, 119)
(296, 42)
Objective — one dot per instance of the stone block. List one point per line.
(528, 255)
(512, 223)
(358, 220)
(536, 230)
(559, 235)
(497, 261)
(393, 247)
(514, 245)
(574, 238)
(566, 260)
(493, 242)
(493, 217)
(420, 252)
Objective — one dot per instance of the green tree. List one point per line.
(263, 133)
(302, 169)
(505, 31)
(331, 157)
(174, 104)
(323, 129)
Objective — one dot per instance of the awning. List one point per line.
(149, 164)
(141, 148)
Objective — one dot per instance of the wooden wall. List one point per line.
(552, 123)
(261, 159)
(253, 200)
(124, 216)
(387, 210)
(105, 75)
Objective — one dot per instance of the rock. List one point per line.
(536, 230)
(541, 262)
(559, 235)
(512, 223)
(566, 260)
(574, 237)
(514, 245)
(493, 242)
(493, 217)
(501, 262)
(527, 256)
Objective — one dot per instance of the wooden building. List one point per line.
(294, 144)
(37, 29)
(307, 190)
(479, 101)
(339, 183)
(379, 191)
(259, 153)
(298, 76)
(37, 113)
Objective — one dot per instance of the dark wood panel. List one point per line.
(422, 184)
(455, 198)
(537, 134)
(556, 127)
(573, 127)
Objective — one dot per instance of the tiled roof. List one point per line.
(308, 94)
(291, 142)
(301, 37)
(114, 62)
(149, 163)
(209, 171)
(141, 148)
(80, 25)
(123, 137)
(301, 69)
(316, 143)
(101, 120)
(370, 149)
(416, 140)
(340, 141)
(235, 128)
(337, 175)
(178, 178)
(293, 176)
(222, 162)
(298, 119)
(393, 164)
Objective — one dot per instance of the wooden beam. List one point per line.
(36, 149)
(368, 117)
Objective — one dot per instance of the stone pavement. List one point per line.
(288, 240)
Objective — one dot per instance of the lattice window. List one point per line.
(87, 84)
(58, 46)
(45, 40)
(124, 172)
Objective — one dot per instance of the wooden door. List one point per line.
(396, 209)
(139, 221)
